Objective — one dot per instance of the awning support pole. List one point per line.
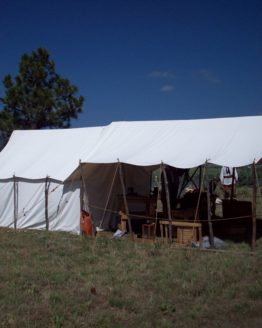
(85, 193)
(81, 193)
(47, 185)
(125, 200)
(211, 235)
(233, 184)
(167, 202)
(254, 207)
(200, 177)
(200, 188)
(109, 195)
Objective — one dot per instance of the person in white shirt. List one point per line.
(228, 179)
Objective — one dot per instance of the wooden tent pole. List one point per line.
(211, 235)
(81, 193)
(15, 201)
(168, 202)
(200, 177)
(125, 200)
(109, 195)
(200, 187)
(233, 184)
(254, 206)
(85, 192)
(82, 187)
(47, 184)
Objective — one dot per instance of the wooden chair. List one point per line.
(148, 230)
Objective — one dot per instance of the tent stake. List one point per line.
(168, 202)
(211, 235)
(254, 206)
(125, 200)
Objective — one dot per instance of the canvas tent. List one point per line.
(35, 166)
(32, 156)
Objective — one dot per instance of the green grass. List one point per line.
(63, 280)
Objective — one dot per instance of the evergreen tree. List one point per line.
(38, 97)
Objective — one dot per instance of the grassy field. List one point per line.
(62, 280)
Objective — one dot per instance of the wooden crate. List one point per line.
(186, 231)
(186, 235)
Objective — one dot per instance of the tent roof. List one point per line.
(182, 143)
(36, 154)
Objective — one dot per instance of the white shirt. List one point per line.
(226, 175)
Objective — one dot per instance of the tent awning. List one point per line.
(183, 143)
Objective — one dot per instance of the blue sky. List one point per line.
(144, 60)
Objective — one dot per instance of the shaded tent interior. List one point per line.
(105, 198)
(103, 192)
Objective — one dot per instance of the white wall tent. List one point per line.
(31, 156)
(34, 167)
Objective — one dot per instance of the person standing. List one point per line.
(228, 179)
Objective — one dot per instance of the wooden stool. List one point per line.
(148, 230)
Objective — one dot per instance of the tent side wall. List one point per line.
(64, 207)
(24, 201)
(7, 203)
(30, 204)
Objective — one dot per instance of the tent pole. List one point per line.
(109, 195)
(47, 184)
(200, 177)
(168, 202)
(125, 200)
(254, 206)
(85, 192)
(82, 187)
(15, 202)
(81, 193)
(200, 188)
(233, 184)
(211, 235)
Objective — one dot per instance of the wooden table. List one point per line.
(186, 231)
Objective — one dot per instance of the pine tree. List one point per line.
(38, 97)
